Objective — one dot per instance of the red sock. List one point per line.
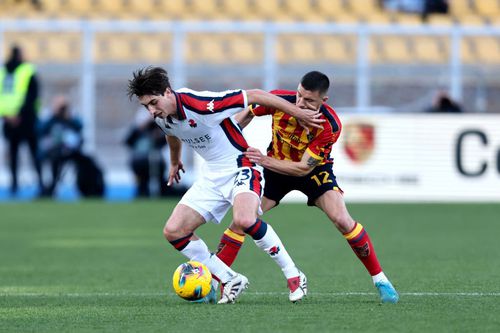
(362, 246)
(229, 246)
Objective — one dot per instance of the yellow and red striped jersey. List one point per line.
(290, 140)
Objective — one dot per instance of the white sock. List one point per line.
(380, 277)
(273, 246)
(198, 251)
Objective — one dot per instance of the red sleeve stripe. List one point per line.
(234, 135)
(211, 104)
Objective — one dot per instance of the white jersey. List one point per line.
(204, 123)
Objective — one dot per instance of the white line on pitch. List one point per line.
(105, 294)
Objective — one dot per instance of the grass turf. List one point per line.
(96, 266)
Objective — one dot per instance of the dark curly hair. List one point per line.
(148, 81)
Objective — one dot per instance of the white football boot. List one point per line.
(233, 289)
(298, 287)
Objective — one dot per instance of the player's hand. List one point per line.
(254, 155)
(309, 118)
(174, 174)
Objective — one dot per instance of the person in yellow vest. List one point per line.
(19, 104)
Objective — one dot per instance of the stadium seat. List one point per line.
(394, 49)
(246, 49)
(115, 48)
(407, 19)
(153, 47)
(439, 20)
(206, 10)
(487, 49)
(205, 48)
(460, 8)
(271, 10)
(238, 10)
(487, 8)
(338, 48)
(331, 8)
(303, 10)
(297, 49)
(369, 11)
(431, 49)
(171, 9)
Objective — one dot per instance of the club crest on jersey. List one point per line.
(359, 141)
(192, 123)
(274, 251)
(211, 106)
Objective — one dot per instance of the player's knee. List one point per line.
(171, 232)
(343, 222)
(243, 223)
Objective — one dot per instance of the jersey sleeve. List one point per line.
(214, 107)
(321, 146)
(259, 110)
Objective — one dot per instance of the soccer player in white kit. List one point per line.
(203, 121)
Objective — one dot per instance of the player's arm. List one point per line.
(244, 117)
(174, 173)
(308, 118)
(285, 167)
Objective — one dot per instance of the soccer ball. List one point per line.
(192, 280)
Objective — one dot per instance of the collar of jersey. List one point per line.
(181, 115)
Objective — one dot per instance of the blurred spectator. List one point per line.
(60, 140)
(434, 7)
(412, 6)
(443, 103)
(146, 142)
(19, 104)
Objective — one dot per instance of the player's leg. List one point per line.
(332, 203)
(233, 238)
(245, 209)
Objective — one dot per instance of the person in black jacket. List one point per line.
(146, 141)
(19, 91)
(60, 140)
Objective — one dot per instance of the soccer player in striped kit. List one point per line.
(298, 159)
(203, 121)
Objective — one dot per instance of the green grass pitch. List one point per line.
(95, 266)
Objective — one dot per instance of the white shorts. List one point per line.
(212, 197)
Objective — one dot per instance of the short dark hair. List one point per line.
(315, 81)
(148, 81)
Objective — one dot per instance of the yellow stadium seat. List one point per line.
(62, 47)
(303, 10)
(238, 10)
(471, 19)
(395, 49)
(459, 8)
(439, 20)
(172, 9)
(206, 10)
(271, 10)
(29, 43)
(141, 9)
(467, 52)
(205, 48)
(338, 48)
(488, 8)
(153, 47)
(487, 49)
(246, 49)
(297, 49)
(430, 49)
(407, 19)
(114, 48)
(331, 8)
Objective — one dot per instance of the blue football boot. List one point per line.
(387, 292)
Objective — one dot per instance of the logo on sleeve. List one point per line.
(211, 106)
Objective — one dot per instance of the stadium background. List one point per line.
(98, 265)
(381, 61)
